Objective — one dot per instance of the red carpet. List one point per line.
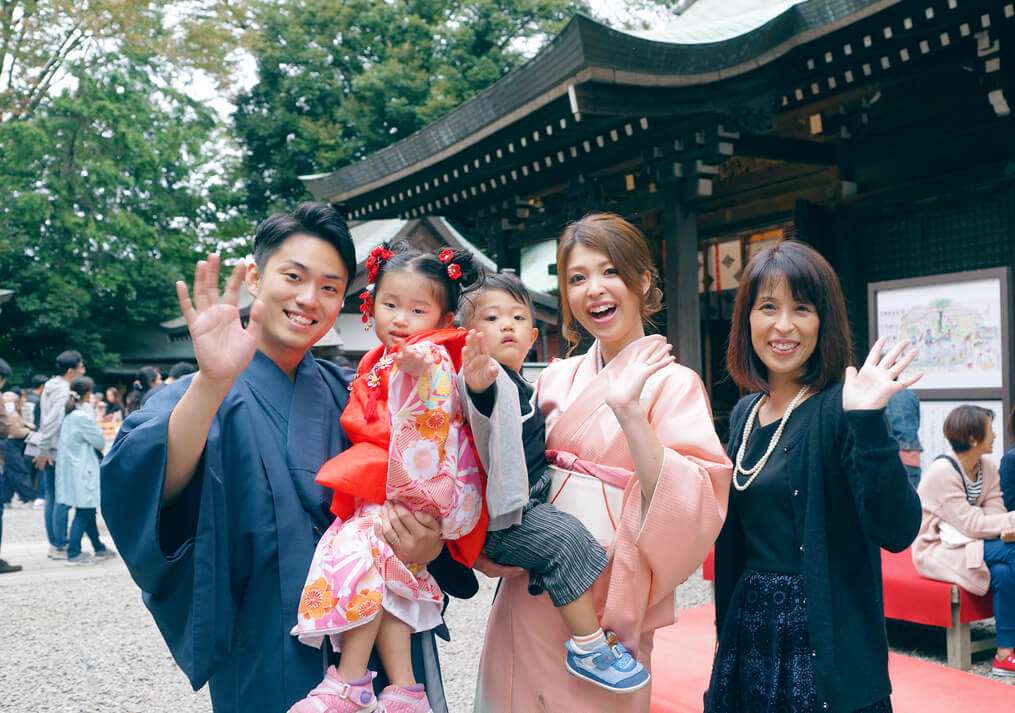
(682, 661)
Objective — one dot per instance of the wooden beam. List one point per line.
(750, 212)
(596, 99)
(680, 245)
(611, 154)
(778, 148)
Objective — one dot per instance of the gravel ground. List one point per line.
(78, 639)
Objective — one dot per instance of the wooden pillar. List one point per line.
(502, 248)
(680, 270)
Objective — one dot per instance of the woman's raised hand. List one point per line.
(879, 378)
(221, 344)
(625, 391)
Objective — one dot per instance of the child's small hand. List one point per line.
(414, 360)
(493, 570)
(478, 367)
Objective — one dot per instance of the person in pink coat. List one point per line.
(637, 459)
(966, 532)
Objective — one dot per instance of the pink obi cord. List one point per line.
(617, 477)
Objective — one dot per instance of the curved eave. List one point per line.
(587, 51)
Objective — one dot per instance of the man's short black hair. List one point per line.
(147, 376)
(317, 219)
(68, 360)
(181, 369)
(5, 370)
(38, 380)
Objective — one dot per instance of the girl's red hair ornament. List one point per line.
(378, 256)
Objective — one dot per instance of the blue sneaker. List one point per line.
(609, 667)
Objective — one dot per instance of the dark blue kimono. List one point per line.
(222, 568)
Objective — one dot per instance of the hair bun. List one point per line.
(462, 267)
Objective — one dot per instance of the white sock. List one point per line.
(588, 644)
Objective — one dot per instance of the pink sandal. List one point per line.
(333, 695)
(397, 699)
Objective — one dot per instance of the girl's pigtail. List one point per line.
(464, 273)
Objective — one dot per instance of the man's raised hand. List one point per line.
(221, 344)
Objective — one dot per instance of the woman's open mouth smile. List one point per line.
(601, 314)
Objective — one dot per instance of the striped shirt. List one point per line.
(974, 489)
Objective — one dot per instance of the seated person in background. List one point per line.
(1007, 469)
(964, 522)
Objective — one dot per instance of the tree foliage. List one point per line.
(340, 80)
(44, 43)
(105, 196)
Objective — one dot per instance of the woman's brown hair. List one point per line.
(627, 249)
(965, 424)
(810, 279)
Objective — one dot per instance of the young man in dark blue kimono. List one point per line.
(209, 490)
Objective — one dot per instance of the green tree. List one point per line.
(44, 43)
(112, 178)
(110, 196)
(340, 80)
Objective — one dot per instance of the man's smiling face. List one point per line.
(302, 286)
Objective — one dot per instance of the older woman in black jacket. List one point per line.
(819, 489)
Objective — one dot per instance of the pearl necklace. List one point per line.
(753, 472)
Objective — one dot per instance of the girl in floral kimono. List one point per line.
(410, 446)
(624, 405)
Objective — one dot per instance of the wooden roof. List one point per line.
(589, 69)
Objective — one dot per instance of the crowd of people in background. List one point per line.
(53, 433)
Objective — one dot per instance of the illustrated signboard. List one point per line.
(957, 328)
(960, 323)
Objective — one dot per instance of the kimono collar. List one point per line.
(304, 410)
(624, 356)
(273, 384)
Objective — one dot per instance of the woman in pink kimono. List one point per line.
(636, 459)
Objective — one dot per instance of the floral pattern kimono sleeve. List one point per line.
(432, 467)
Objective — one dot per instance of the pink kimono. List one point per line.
(654, 550)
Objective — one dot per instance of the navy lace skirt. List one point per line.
(763, 662)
